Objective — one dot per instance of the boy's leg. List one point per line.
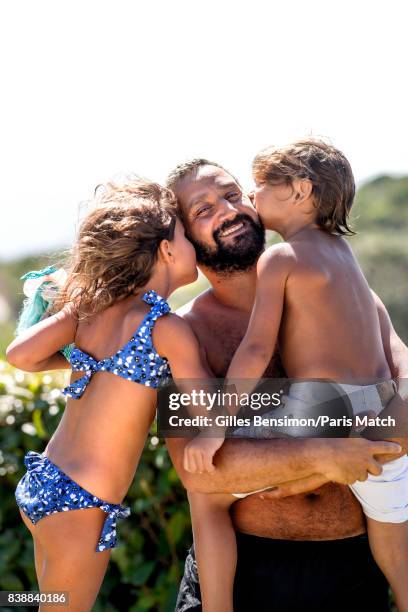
(215, 549)
(384, 499)
(389, 545)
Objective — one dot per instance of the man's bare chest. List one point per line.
(219, 342)
(220, 337)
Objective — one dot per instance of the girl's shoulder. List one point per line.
(171, 330)
(173, 323)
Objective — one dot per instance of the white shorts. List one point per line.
(383, 498)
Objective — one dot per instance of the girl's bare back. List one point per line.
(101, 435)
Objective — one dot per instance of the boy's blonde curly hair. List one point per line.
(327, 169)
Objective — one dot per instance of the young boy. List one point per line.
(313, 298)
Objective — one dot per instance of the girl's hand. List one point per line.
(199, 454)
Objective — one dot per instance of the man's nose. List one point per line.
(228, 211)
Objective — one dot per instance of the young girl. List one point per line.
(130, 255)
(311, 294)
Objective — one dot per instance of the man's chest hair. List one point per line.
(221, 342)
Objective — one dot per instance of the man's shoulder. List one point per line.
(197, 307)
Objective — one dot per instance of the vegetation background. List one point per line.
(145, 571)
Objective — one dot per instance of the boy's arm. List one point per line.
(36, 349)
(256, 349)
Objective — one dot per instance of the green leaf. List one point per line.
(145, 602)
(10, 582)
(38, 424)
(142, 573)
(175, 527)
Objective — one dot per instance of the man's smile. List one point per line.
(232, 229)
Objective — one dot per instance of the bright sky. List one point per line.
(92, 88)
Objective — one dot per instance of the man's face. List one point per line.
(220, 220)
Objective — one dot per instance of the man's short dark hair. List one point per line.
(191, 166)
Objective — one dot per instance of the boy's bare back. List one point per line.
(330, 326)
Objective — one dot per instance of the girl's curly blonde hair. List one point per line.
(117, 244)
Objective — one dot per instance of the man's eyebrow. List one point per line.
(220, 185)
(203, 194)
(198, 198)
(228, 185)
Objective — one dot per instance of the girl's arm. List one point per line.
(256, 349)
(174, 339)
(36, 349)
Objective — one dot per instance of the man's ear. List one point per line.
(165, 252)
(302, 189)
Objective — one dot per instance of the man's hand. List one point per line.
(199, 454)
(295, 487)
(346, 461)
(342, 461)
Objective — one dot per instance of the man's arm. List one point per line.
(305, 464)
(396, 353)
(247, 465)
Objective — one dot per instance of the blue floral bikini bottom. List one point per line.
(45, 490)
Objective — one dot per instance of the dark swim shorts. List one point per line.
(293, 576)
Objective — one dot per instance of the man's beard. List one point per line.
(239, 255)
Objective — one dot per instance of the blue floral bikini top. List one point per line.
(137, 360)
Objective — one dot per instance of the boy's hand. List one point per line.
(199, 454)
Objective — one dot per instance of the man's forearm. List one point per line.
(247, 465)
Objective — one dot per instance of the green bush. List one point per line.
(145, 570)
(383, 258)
